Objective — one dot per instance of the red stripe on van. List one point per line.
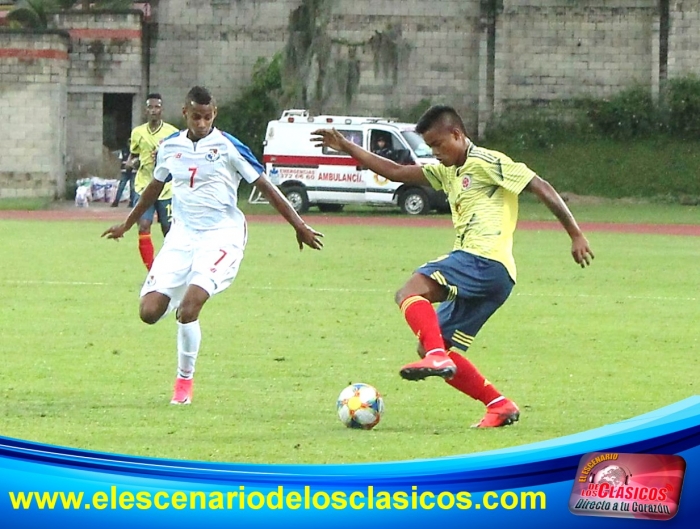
(309, 160)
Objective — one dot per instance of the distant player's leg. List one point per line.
(214, 267)
(120, 190)
(145, 242)
(416, 300)
(164, 210)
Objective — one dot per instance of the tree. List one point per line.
(32, 13)
(36, 13)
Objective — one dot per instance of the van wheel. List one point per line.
(414, 201)
(297, 198)
(330, 208)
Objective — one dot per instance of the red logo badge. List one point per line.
(642, 486)
(466, 182)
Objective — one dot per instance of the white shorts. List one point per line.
(209, 259)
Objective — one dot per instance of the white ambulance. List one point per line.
(315, 176)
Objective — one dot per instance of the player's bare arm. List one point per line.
(132, 162)
(409, 174)
(148, 198)
(306, 235)
(580, 249)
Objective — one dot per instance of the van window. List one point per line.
(354, 136)
(390, 146)
(416, 142)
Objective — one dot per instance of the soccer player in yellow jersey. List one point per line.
(476, 278)
(143, 146)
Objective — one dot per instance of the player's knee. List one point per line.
(148, 315)
(188, 312)
(150, 311)
(400, 296)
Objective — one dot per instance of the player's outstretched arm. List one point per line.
(408, 174)
(580, 249)
(306, 235)
(148, 198)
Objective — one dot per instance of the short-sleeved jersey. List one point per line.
(483, 195)
(143, 142)
(205, 177)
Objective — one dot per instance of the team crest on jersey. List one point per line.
(466, 182)
(212, 155)
(151, 280)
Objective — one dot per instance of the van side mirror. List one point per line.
(403, 157)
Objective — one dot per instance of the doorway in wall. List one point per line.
(116, 120)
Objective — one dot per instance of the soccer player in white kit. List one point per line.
(204, 248)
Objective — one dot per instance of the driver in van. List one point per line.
(382, 147)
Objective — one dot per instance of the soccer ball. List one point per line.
(360, 406)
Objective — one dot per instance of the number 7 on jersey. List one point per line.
(193, 171)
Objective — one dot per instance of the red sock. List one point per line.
(146, 249)
(422, 319)
(468, 380)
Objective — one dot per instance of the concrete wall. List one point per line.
(684, 38)
(33, 80)
(212, 43)
(216, 43)
(352, 56)
(558, 49)
(106, 56)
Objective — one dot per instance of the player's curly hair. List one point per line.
(440, 114)
(200, 96)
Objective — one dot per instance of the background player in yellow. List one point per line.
(476, 278)
(143, 146)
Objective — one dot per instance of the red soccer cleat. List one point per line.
(183, 391)
(434, 365)
(500, 414)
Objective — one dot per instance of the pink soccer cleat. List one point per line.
(183, 391)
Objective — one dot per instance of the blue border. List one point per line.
(549, 466)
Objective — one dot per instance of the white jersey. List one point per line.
(205, 176)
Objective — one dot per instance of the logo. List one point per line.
(380, 180)
(618, 485)
(212, 155)
(178, 155)
(466, 182)
(151, 280)
(441, 363)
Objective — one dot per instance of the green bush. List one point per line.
(629, 114)
(682, 101)
(538, 127)
(247, 116)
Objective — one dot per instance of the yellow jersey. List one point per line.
(144, 143)
(483, 195)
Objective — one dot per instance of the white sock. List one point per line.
(189, 337)
(496, 401)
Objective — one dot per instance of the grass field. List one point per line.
(586, 209)
(576, 349)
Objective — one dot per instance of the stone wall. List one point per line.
(557, 49)
(106, 56)
(684, 38)
(366, 57)
(33, 80)
(402, 51)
